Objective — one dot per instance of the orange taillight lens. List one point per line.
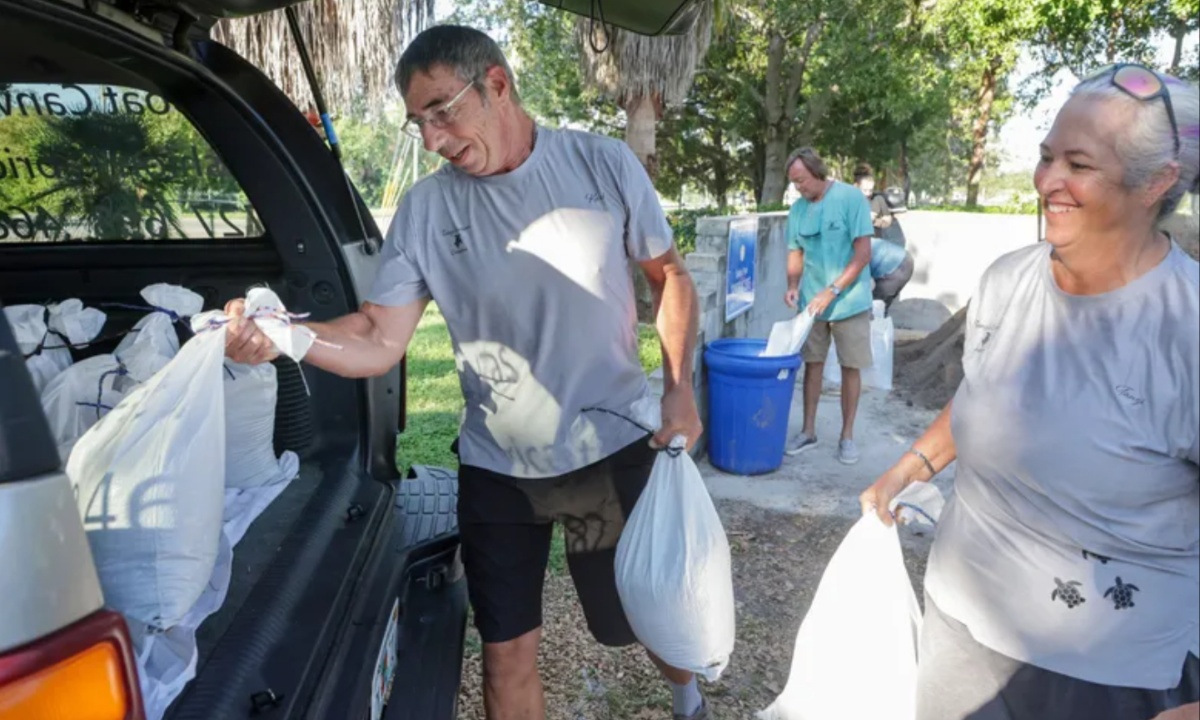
(84, 671)
(87, 686)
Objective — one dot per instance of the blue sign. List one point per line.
(739, 282)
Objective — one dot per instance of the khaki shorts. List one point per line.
(852, 337)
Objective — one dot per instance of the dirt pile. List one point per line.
(929, 370)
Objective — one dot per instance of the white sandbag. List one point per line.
(44, 335)
(149, 480)
(673, 570)
(883, 344)
(78, 324)
(166, 660)
(856, 652)
(268, 312)
(788, 336)
(152, 342)
(832, 374)
(920, 502)
(250, 395)
(79, 396)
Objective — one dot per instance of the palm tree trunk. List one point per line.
(641, 120)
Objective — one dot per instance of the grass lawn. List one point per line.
(435, 400)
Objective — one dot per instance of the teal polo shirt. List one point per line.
(825, 231)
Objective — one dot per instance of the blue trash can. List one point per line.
(749, 400)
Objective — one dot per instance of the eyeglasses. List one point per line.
(1142, 83)
(440, 117)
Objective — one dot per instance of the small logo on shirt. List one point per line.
(457, 244)
(985, 335)
(595, 198)
(1127, 394)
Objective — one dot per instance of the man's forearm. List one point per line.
(678, 322)
(352, 346)
(795, 269)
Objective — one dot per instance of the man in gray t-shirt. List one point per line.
(524, 240)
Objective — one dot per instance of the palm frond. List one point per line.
(354, 45)
(632, 65)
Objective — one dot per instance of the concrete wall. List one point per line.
(950, 252)
(708, 265)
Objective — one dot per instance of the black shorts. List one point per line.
(505, 524)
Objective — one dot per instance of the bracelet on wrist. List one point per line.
(925, 460)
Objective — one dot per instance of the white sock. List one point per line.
(687, 699)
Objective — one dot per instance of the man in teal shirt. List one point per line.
(829, 244)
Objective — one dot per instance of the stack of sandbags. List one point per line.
(45, 335)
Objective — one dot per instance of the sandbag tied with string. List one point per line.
(150, 485)
(673, 566)
(78, 397)
(251, 392)
(152, 342)
(46, 334)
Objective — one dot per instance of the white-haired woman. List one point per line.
(1064, 581)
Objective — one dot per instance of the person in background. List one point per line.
(891, 269)
(1064, 578)
(523, 239)
(829, 240)
(881, 212)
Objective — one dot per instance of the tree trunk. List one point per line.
(1178, 32)
(720, 184)
(774, 174)
(785, 76)
(987, 96)
(641, 117)
(907, 182)
(758, 155)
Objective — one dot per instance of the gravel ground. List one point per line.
(778, 559)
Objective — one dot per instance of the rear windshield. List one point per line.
(105, 163)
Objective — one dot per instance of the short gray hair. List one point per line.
(1146, 146)
(812, 161)
(467, 51)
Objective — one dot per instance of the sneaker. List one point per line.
(701, 714)
(847, 452)
(801, 443)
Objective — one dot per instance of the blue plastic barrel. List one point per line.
(749, 400)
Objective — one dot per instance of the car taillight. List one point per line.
(83, 672)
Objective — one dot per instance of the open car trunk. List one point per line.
(134, 164)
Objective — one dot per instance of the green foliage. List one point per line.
(435, 401)
(649, 347)
(1081, 35)
(1028, 207)
(683, 226)
(540, 43)
(112, 175)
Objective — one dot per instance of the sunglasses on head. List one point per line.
(1144, 84)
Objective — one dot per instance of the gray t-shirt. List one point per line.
(531, 272)
(1073, 539)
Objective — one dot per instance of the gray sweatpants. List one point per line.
(960, 679)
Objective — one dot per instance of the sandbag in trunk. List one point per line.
(45, 335)
(149, 479)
